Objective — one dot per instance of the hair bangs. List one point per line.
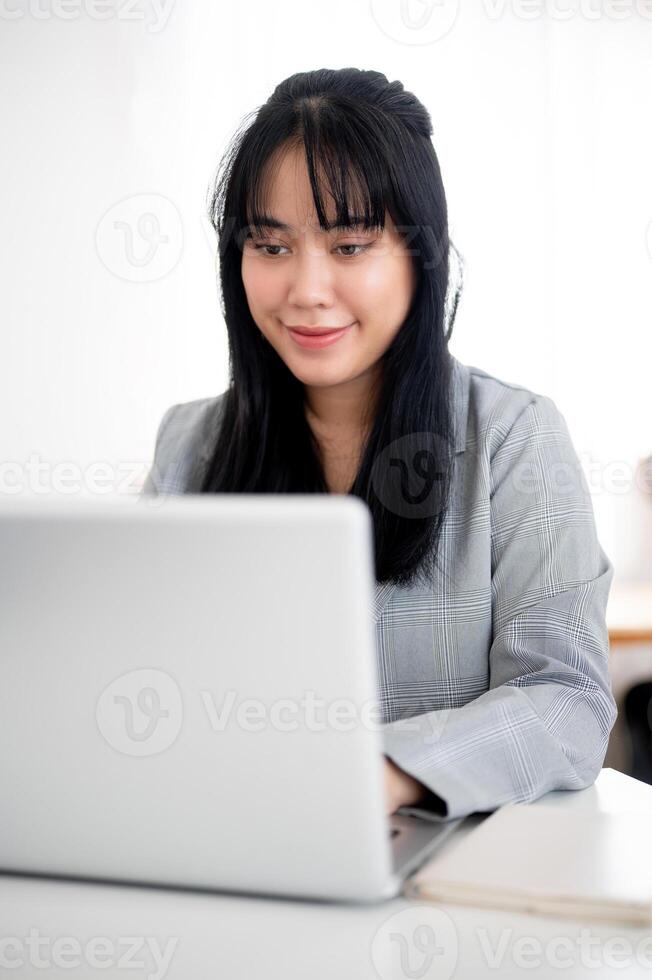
(342, 169)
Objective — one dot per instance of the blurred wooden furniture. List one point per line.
(629, 613)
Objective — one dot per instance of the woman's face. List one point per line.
(307, 277)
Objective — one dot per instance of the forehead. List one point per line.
(286, 194)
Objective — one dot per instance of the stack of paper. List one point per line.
(548, 860)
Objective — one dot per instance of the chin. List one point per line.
(324, 377)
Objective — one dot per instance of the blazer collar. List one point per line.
(460, 398)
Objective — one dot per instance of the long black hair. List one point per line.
(370, 139)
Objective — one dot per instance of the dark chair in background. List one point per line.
(638, 716)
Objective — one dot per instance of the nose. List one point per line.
(311, 281)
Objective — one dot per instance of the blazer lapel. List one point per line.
(382, 597)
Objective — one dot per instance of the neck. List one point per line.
(341, 410)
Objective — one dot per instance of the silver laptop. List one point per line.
(189, 697)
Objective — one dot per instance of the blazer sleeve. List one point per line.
(154, 479)
(544, 722)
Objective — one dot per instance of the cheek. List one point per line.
(261, 286)
(385, 288)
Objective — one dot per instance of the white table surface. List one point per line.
(245, 938)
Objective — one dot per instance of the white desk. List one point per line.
(225, 937)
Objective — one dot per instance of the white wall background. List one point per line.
(542, 127)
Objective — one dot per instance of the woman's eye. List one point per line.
(258, 248)
(352, 255)
(346, 255)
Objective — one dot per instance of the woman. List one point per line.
(491, 583)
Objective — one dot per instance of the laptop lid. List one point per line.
(189, 691)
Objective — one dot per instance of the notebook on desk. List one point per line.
(548, 860)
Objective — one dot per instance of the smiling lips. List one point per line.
(317, 337)
(317, 331)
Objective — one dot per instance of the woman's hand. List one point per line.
(400, 788)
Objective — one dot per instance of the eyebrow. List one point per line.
(268, 221)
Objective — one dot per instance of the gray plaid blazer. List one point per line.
(494, 685)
